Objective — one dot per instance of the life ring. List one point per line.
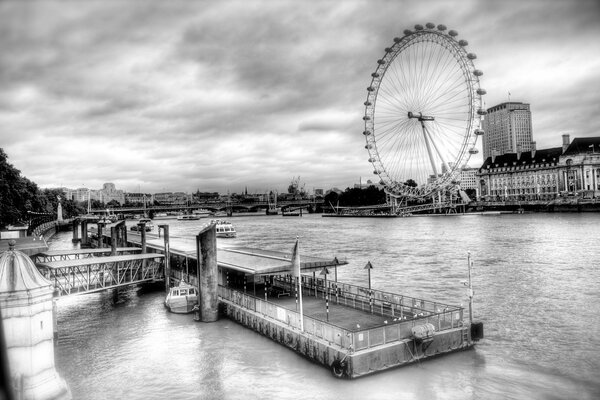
(338, 369)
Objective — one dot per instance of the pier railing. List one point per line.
(383, 303)
(396, 329)
(322, 330)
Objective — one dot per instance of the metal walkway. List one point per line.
(92, 274)
(76, 254)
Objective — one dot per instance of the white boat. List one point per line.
(188, 217)
(225, 229)
(182, 298)
(158, 216)
(202, 212)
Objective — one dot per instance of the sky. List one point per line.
(226, 95)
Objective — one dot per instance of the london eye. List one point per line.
(423, 112)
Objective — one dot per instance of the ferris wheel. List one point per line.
(423, 112)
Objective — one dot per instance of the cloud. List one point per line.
(218, 96)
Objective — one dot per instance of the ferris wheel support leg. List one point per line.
(436, 149)
(429, 150)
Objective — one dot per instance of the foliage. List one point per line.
(18, 195)
(355, 197)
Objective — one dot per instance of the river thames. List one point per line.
(537, 290)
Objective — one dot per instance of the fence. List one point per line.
(397, 329)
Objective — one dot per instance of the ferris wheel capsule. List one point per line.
(481, 92)
(397, 40)
(477, 72)
(479, 132)
(367, 103)
(441, 27)
(481, 111)
(407, 32)
(430, 25)
(452, 33)
(473, 151)
(419, 27)
(375, 75)
(463, 43)
(366, 133)
(471, 56)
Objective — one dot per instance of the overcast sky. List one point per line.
(223, 95)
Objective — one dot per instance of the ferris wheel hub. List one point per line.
(420, 116)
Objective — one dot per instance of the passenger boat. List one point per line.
(182, 298)
(188, 217)
(202, 212)
(225, 229)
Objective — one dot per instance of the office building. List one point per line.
(507, 128)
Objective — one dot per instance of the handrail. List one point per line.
(352, 340)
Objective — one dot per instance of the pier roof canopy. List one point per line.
(268, 262)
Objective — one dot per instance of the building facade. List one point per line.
(570, 170)
(507, 128)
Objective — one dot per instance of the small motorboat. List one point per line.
(182, 298)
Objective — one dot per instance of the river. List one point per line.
(537, 290)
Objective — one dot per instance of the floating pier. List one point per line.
(352, 330)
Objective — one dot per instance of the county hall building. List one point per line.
(570, 170)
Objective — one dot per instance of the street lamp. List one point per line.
(369, 267)
(325, 272)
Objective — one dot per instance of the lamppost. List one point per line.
(325, 272)
(470, 288)
(369, 267)
(336, 262)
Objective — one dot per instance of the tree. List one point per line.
(18, 195)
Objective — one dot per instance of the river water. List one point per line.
(537, 290)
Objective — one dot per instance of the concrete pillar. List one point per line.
(167, 256)
(142, 230)
(100, 234)
(206, 254)
(84, 234)
(76, 231)
(114, 238)
(26, 304)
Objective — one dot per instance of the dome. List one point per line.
(19, 273)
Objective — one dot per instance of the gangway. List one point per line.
(92, 274)
(76, 254)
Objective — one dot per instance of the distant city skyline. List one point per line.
(217, 96)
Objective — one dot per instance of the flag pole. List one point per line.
(297, 274)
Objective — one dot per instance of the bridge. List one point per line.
(311, 204)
